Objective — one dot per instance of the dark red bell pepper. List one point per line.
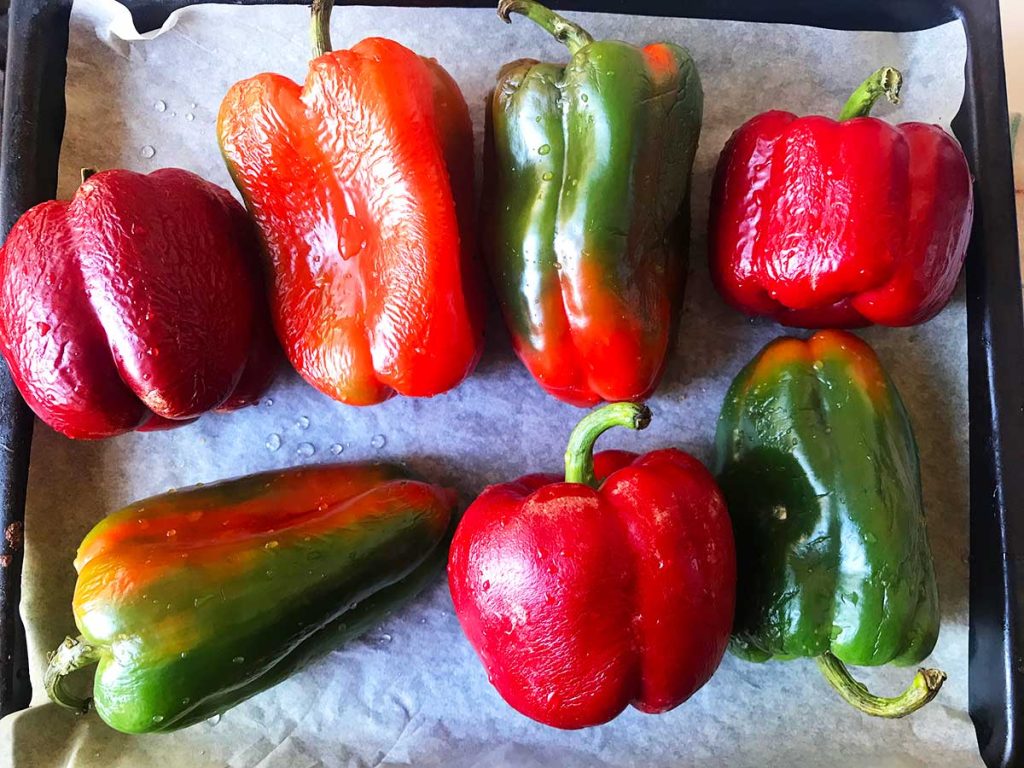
(138, 304)
(614, 587)
(819, 223)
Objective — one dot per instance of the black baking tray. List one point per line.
(33, 123)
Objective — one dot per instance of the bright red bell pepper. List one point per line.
(138, 304)
(581, 597)
(361, 181)
(819, 223)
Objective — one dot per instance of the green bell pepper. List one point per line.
(819, 466)
(193, 601)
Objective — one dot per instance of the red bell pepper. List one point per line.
(361, 182)
(138, 304)
(819, 223)
(581, 597)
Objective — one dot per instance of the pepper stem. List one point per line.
(320, 29)
(886, 81)
(579, 455)
(922, 689)
(573, 36)
(72, 654)
(87, 173)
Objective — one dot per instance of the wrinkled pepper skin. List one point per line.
(824, 223)
(361, 182)
(581, 598)
(193, 601)
(818, 463)
(587, 209)
(138, 304)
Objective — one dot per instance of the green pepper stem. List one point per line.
(886, 81)
(320, 29)
(579, 455)
(573, 36)
(922, 689)
(73, 654)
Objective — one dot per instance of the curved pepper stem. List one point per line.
(320, 28)
(73, 654)
(886, 81)
(922, 689)
(579, 455)
(573, 36)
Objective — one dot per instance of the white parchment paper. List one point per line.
(412, 692)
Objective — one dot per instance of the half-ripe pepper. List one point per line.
(818, 463)
(587, 208)
(361, 182)
(193, 601)
(614, 587)
(138, 304)
(819, 223)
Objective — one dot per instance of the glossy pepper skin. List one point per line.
(361, 182)
(819, 223)
(818, 463)
(611, 588)
(587, 208)
(137, 304)
(193, 601)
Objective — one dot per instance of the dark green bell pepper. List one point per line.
(193, 601)
(819, 466)
(587, 168)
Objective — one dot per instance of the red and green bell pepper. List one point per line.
(193, 601)
(587, 207)
(818, 463)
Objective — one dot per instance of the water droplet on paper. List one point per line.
(160, 105)
(273, 442)
(147, 151)
(268, 402)
(192, 105)
(190, 117)
(378, 441)
(337, 449)
(214, 720)
(306, 449)
(544, 149)
(302, 422)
